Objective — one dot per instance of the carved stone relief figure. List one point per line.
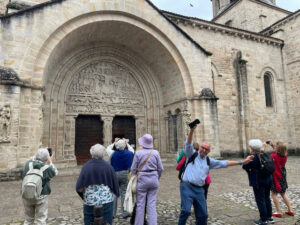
(105, 88)
(5, 120)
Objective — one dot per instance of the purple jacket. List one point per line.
(153, 164)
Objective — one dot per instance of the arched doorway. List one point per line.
(124, 127)
(88, 131)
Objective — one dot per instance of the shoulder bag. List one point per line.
(134, 178)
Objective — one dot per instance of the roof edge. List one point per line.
(179, 29)
(280, 22)
(223, 28)
(31, 8)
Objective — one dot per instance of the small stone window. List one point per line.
(268, 89)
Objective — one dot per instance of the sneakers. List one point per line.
(290, 213)
(260, 222)
(270, 221)
(279, 215)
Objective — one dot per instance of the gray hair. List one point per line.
(120, 145)
(42, 154)
(255, 144)
(97, 151)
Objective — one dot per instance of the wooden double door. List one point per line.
(89, 131)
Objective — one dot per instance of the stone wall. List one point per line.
(288, 31)
(260, 56)
(22, 137)
(251, 15)
(50, 45)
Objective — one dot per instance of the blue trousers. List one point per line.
(191, 195)
(263, 201)
(88, 212)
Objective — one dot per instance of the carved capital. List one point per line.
(8, 74)
(207, 93)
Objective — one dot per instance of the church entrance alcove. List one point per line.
(88, 131)
(124, 127)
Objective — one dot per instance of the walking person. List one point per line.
(193, 180)
(121, 160)
(279, 184)
(36, 208)
(147, 164)
(261, 184)
(96, 185)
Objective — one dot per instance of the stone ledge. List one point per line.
(11, 175)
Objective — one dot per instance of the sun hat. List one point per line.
(146, 141)
(256, 144)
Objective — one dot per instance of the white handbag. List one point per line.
(133, 180)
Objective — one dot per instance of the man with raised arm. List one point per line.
(193, 180)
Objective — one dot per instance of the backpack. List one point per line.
(191, 159)
(32, 182)
(267, 167)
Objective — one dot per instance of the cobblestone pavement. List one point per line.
(230, 199)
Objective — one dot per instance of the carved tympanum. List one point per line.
(105, 88)
(5, 119)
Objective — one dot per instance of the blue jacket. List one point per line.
(255, 179)
(121, 160)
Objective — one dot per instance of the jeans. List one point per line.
(122, 177)
(263, 201)
(191, 195)
(88, 212)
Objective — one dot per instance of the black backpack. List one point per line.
(191, 159)
(267, 167)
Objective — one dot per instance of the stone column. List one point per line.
(240, 67)
(107, 129)
(166, 123)
(210, 124)
(140, 128)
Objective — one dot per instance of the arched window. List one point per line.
(268, 89)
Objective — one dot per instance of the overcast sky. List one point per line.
(203, 8)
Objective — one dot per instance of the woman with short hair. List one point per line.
(37, 209)
(96, 185)
(261, 185)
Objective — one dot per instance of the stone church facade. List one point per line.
(77, 72)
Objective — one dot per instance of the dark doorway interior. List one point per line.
(124, 127)
(89, 131)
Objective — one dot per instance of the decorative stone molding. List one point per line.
(5, 123)
(19, 5)
(225, 30)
